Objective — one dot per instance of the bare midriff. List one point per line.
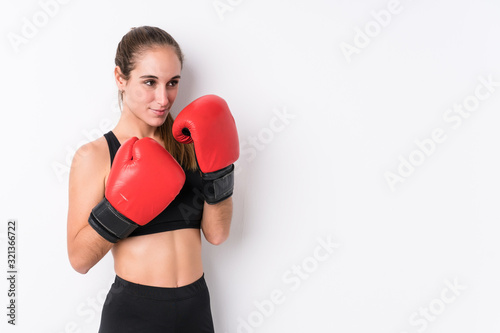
(167, 259)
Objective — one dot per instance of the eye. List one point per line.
(150, 83)
(173, 83)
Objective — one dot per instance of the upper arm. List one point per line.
(88, 171)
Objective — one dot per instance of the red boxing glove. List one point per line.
(208, 123)
(143, 180)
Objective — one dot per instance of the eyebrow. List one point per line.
(155, 77)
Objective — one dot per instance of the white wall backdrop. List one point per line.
(368, 184)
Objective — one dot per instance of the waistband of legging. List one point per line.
(160, 293)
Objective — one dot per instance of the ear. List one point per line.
(120, 81)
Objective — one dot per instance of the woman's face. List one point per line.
(153, 84)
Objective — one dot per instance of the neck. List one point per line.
(129, 126)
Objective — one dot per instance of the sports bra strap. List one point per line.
(113, 144)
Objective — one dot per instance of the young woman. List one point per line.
(159, 285)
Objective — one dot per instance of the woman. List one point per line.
(159, 284)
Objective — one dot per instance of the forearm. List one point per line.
(216, 221)
(87, 249)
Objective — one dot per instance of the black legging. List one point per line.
(131, 307)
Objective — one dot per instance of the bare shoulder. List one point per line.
(92, 158)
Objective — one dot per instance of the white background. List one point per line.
(313, 176)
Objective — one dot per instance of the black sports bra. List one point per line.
(185, 211)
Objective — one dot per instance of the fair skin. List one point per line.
(165, 259)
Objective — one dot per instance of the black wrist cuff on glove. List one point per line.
(218, 185)
(110, 223)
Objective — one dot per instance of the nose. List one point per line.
(162, 96)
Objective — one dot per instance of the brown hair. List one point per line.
(133, 44)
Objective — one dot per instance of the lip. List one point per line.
(159, 112)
